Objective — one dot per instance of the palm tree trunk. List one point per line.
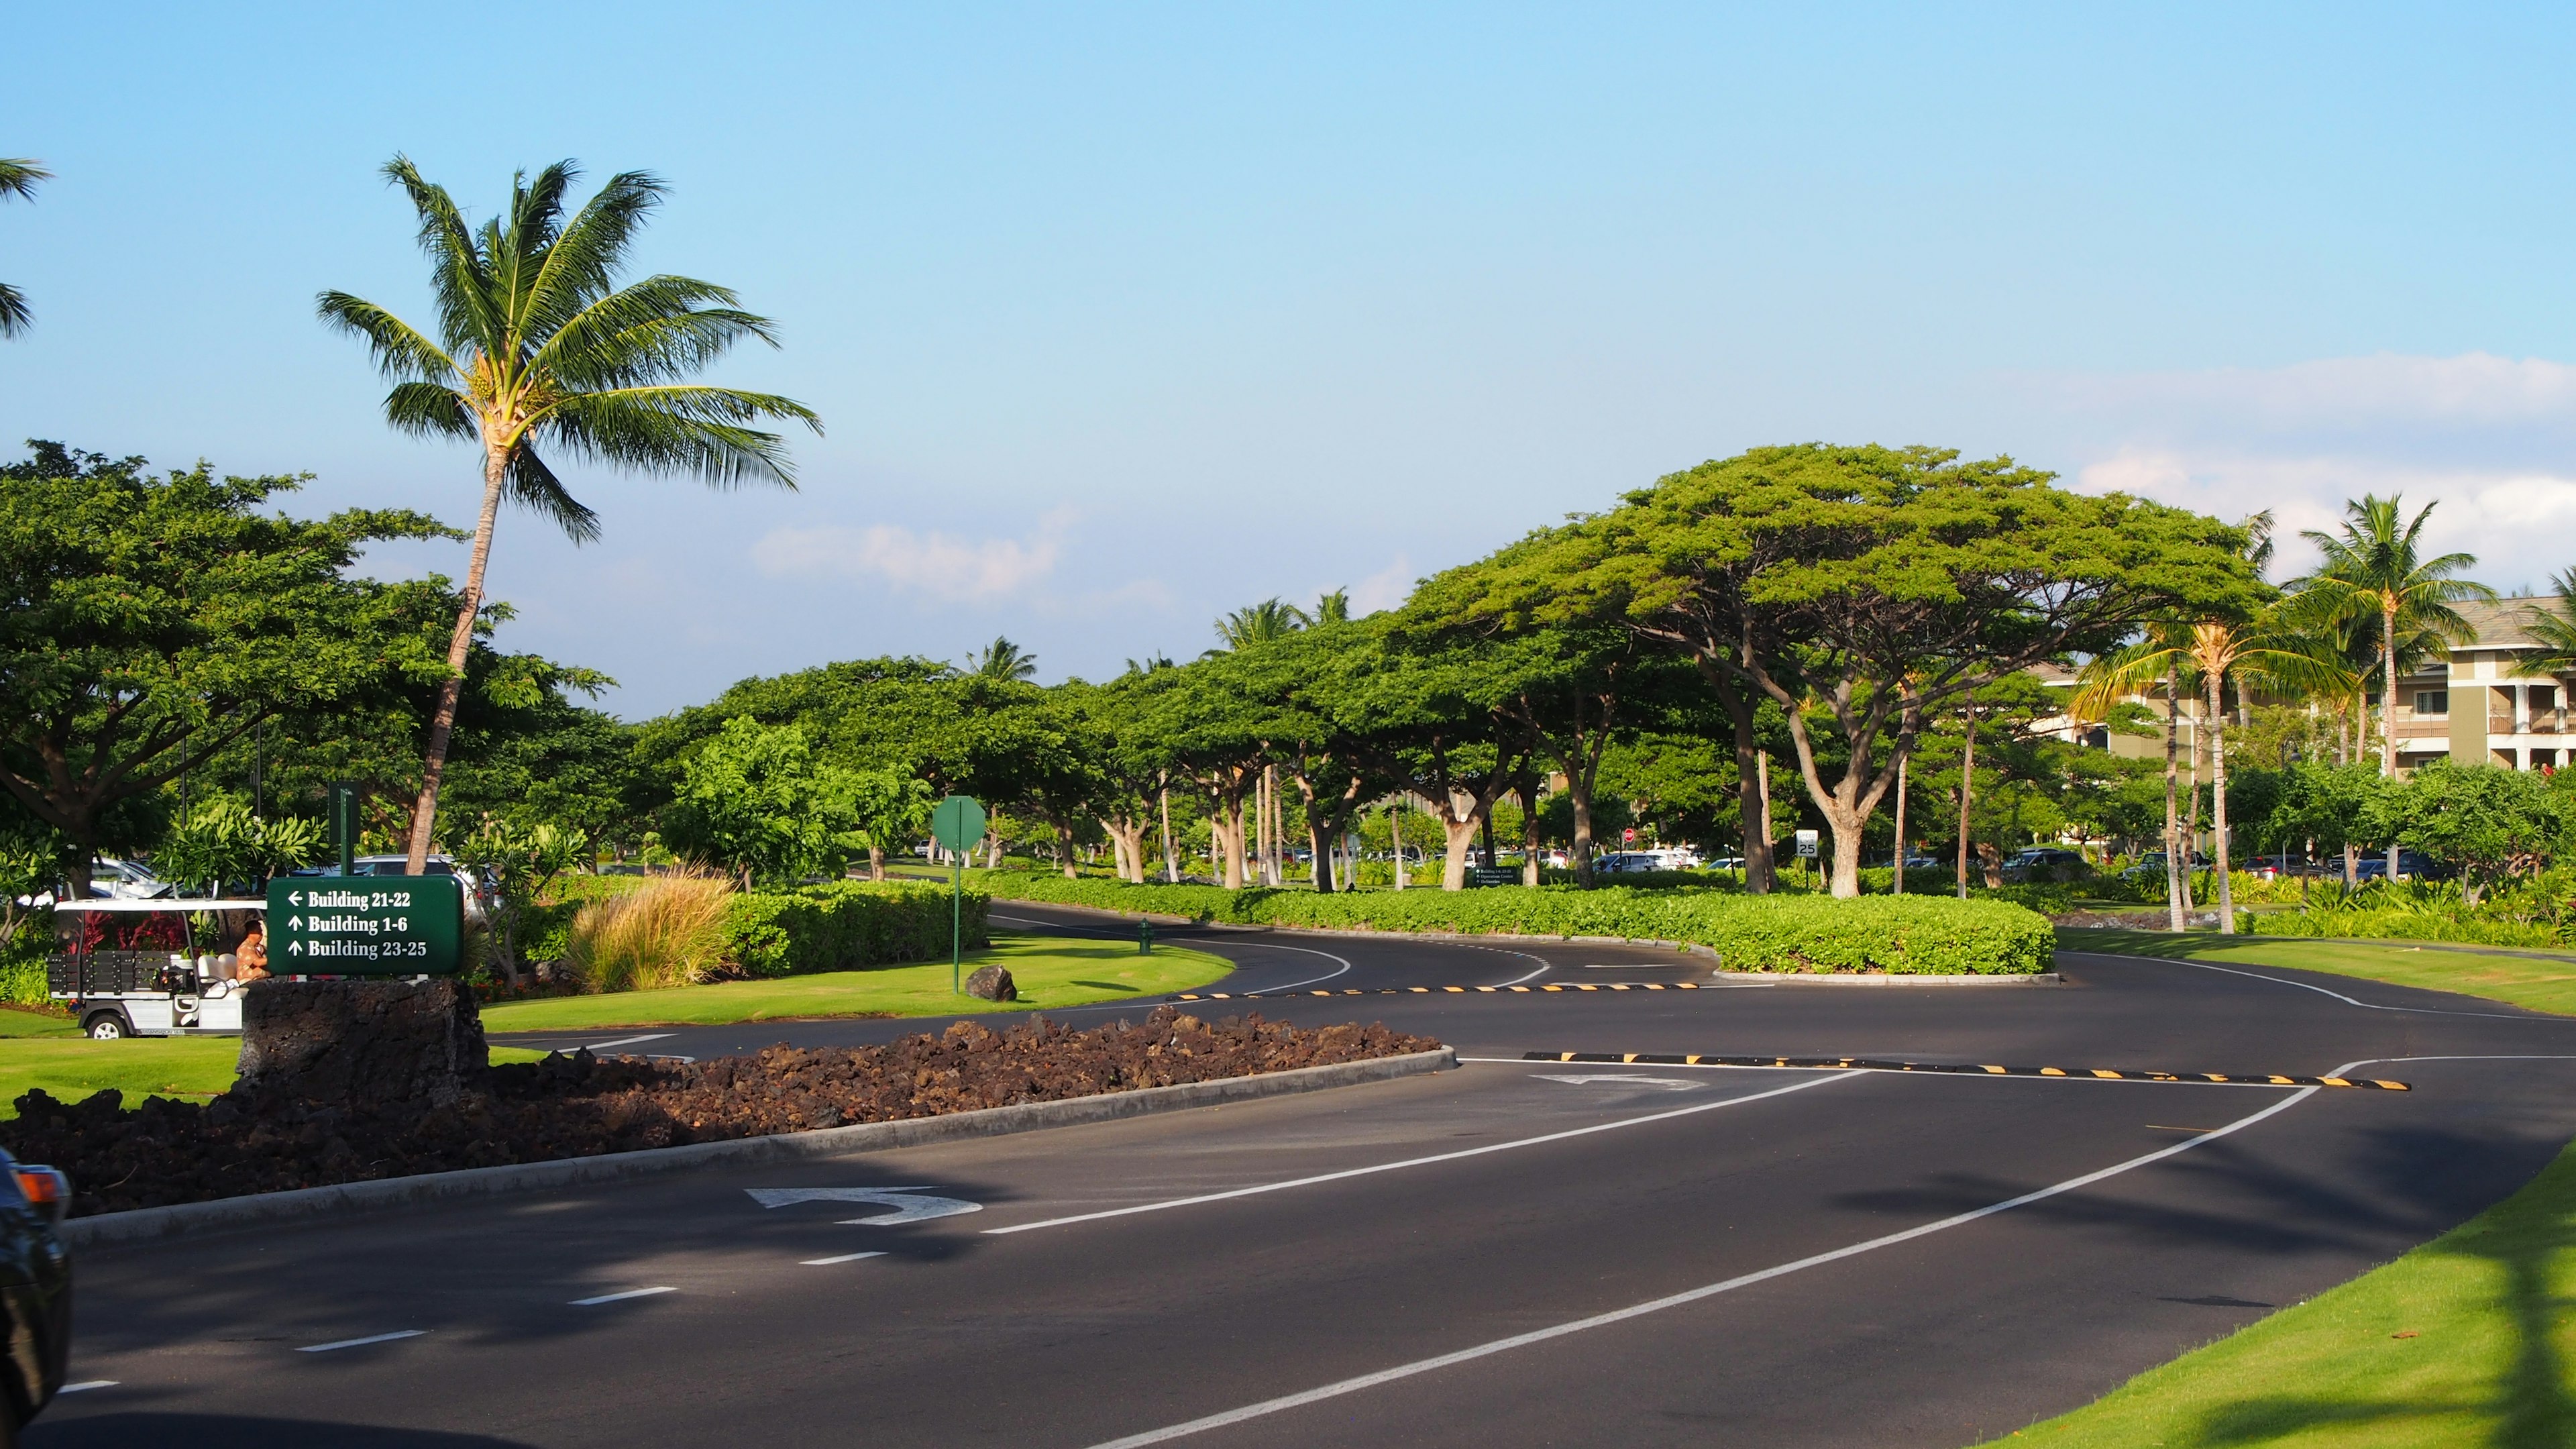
(2173, 809)
(1395, 833)
(1896, 881)
(1967, 789)
(2388, 710)
(2218, 802)
(442, 720)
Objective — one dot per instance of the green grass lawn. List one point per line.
(2542, 983)
(1050, 971)
(2468, 1340)
(49, 1052)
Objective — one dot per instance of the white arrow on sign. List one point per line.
(295, 898)
(295, 923)
(294, 948)
(910, 1204)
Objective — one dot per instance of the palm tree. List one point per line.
(1261, 623)
(1332, 608)
(535, 343)
(2375, 568)
(2553, 624)
(18, 177)
(1002, 660)
(2214, 651)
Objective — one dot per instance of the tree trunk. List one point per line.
(1319, 848)
(1762, 813)
(1461, 844)
(442, 719)
(2388, 710)
(1064, 851)
(1171, 853)
(2218, 801)
(1228, 826)
(1896, 880)
(1529, 834)
(2173, 802)
(1967, 787)
(1581, 801)
(876, 862)
(1395, 833)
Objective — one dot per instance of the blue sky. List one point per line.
(1120, 318)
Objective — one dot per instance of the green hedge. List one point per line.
(2401, 926)
(1902, 935)
(845, 924)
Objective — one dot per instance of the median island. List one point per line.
(251, 1141)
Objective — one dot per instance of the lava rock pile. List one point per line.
(253, 1140)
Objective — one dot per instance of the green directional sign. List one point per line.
(957, 822)
(365, 925)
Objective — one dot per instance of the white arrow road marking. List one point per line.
(339, 1343)
(911, 1204)
(1669, 1084)
(86, 1385)
(598, 1046)
(619, 1297)
(814, 1263)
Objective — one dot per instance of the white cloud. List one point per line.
(1384, 589)
(2472, 391)
(933, 565)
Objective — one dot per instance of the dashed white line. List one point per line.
(618, 1297)
(601, 1046)
(360, 1342)
(844, 1258)
(1658, 1305)
(1463, 1153)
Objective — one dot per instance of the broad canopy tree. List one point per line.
(1879, 585)
(156, 622)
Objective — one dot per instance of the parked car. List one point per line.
(124, 880)
(35, 1291)
(2411, 865)
(1920, 861)
(2047, 863)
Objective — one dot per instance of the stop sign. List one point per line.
(1628, 836)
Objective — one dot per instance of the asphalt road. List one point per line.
(1514, 1253)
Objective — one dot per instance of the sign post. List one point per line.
(344, 824)
(957, 823)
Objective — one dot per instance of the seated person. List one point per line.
(250, 958)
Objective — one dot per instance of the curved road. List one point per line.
(1515, 1253)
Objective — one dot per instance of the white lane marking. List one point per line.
(1949, 1076)
(1544, 965)
(1694, 1295)
(911, 1205)
(85, 1385)
(601, 1046)
(618, 1297)
(2321, 991)
(357, 1342)
(1638, 1121)
(1669, 1084)
(844, 1258)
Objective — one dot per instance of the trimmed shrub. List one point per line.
(1903, 935)
(844, 924)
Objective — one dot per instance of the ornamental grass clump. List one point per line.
(669, 933)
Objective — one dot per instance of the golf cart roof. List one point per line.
(163, 906)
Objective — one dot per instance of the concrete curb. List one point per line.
(260, 1209)
(1822, 978)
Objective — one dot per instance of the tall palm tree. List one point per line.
(18, 177)
(1003, 659)
(1332, 608)
(1262, 623)
(537, 343)
(2375, 568)
(2552, 622)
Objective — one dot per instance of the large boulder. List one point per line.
(358, 1041)
(993, 983)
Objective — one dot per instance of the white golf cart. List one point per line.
(151, 967)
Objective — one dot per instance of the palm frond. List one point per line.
(397, 348)
(583, 259)
(532, 483)
(461, 280)
(14, 316)
(657, 330)
(19, 175)
(428, 409)
(698, 430)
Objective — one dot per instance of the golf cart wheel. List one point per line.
(107, 1026)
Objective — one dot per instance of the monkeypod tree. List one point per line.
(155, 622)
(1862, 589)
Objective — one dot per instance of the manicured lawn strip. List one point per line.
(2540, 983)
(2488, 1356)
(71, 1066)
(1904, 935)
(1050, 972)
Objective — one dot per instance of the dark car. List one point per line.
(2411, 865)
(35, 1292)
(2047, 863)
